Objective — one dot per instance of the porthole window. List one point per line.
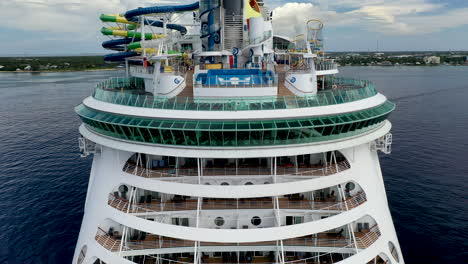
(393, 251)
(224, 183)
(248, 183)
(219, 221)
(123, 188)
(350, 186)
(256, 220)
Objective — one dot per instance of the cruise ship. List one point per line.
(225, 143)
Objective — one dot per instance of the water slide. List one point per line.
(214, 35)
(133, 38)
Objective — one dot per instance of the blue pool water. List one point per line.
(43, 180)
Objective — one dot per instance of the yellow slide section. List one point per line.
(252, 9)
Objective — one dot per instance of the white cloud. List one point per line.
(397, 17)
(77, 21)
(290, 19)
(69, 16)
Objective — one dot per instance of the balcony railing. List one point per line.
(326, 66)
(224, 204)
(365, 239)
(206, 221)
(107, 240)
(259, 171)
(326, 239)
(130, 92)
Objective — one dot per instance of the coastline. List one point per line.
(117, 69)
(55, 71)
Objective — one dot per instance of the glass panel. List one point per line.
(229, 133)
(130, 91)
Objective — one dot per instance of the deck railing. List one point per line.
(326, 66)
(139, 209)
(156, 242)
(368, 238)
(130, 92)
(213, 172)
(107, 241)
(214, 204)
(321, 240)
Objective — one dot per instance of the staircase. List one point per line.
(233, 32)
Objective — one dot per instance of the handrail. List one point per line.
(213, 172)
(369, 237)
(191, 205)
(105, 240)
(130, 92)
(326, 66)
(156, 242)
(167, 206)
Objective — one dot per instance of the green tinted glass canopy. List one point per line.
(234, 133)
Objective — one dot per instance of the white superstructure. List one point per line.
(229, 148)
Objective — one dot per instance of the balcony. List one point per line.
(327, 239)
(382, 258)
(190, 175)
(240, 171)
(245, 213)
(339, 243)
(225, 204)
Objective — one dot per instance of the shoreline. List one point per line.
(55, 71)
(116, 69)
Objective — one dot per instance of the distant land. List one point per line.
(59, 63)
(350, 58)
(408, 58)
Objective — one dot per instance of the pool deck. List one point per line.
(280, 70)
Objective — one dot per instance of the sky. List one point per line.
(71, 27)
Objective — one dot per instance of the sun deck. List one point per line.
(131, 92)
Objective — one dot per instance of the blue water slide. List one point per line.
(132, 16)
(155, 23)
(120, 56)
(214, 35)
(116, 44)
(161, 9)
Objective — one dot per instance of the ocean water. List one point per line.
(43, 181)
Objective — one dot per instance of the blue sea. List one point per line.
(43, 180)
